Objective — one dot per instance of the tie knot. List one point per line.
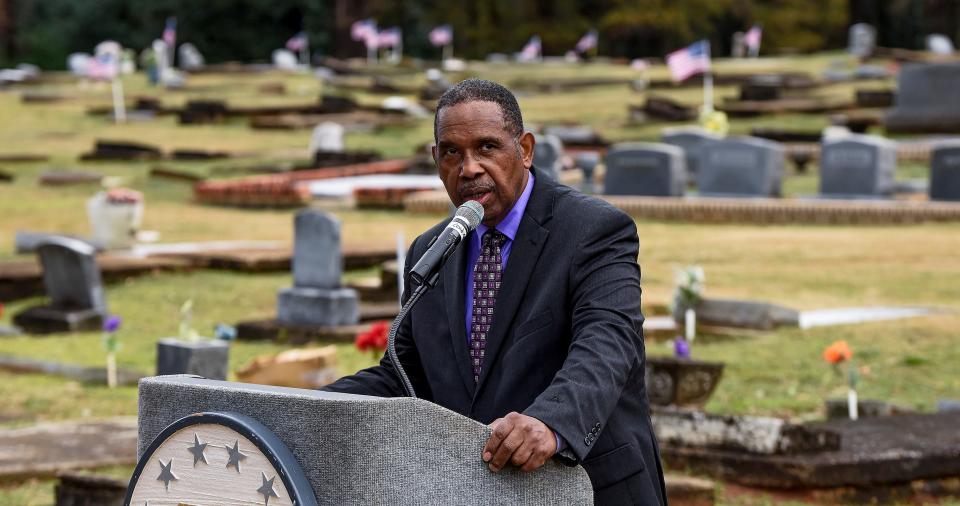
(493, 237)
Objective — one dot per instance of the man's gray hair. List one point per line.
(480, 90)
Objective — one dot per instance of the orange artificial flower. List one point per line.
(837, 352)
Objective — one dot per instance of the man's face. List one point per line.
(480, 159)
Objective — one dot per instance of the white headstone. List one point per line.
(285, 60)
(862, 38)
(77, 63)
(327, 136)
(939, 44)
(190, 57)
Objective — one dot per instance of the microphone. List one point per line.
(468, 216)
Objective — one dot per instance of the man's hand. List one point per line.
(520, 440)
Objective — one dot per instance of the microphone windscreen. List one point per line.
(471, 211)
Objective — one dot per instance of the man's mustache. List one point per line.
(474, 188)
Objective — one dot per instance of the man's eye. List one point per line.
(488, 147)
(450, 151)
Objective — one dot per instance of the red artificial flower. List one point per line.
(837, 352)
(374, 339)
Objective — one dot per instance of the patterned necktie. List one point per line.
(486, 284)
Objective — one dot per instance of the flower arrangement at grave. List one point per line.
(374, 340)
(186, 330)
(110, 343)
(689, 283)
(837, 355)
(715, 121)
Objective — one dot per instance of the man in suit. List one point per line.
(535, 324)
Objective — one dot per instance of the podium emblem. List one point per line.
(208, 459)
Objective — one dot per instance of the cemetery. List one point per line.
(191, 249)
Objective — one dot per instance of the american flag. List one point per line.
(532, 50)
(361, 30)
(389, 37)
(690, 60)
(170, 32)
(441, 35)
(752, 39)
(298, 42)
(587, 42)
(104, 67)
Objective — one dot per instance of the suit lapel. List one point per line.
(525, 252)
(454, 284)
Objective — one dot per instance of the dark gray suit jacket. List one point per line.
(565, 346)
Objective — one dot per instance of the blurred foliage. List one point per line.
(248, 30)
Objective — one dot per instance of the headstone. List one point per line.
(547, 154)
(862, 38)
(72, 281)
(940, 44)
(437, 84)
(744, 166)
(285, 60)
(945, 171)
(642, 168)
(926, 99)
(327, 137)
(207, 359)
(858, 166)
(691, 140)
(738, 45)
(316, 297)
(78, 63)
(587, 162)
(576, 135)
(190, 57)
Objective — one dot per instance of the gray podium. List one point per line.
(349, 449)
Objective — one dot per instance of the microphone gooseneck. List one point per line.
(426, 273)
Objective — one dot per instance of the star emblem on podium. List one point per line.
(266, 489)
(235, 455)
(197, 451)
(166, 474)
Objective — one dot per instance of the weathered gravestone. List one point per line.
(327, 137)
(738, 45)
(316, 297)
(861, 39)
(72, 281)
(641, 168)
(284, 60)
(940, 44)
(945, 171)
(691, 140)
(744, 166)
(926, 99)
(858, 166)
(546, 155)
(337, 448)
(190, 57)
(205, 358)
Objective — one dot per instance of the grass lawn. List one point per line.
(913, 362)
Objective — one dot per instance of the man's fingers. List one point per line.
(533, 463)
(501, 428)
(503, 454)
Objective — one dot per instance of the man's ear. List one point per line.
(527, 141)
(433, 151)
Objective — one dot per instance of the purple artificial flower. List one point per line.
(681, 349)
(112, 324)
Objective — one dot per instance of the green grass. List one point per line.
(912, 362)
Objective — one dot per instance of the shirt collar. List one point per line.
(511, 222)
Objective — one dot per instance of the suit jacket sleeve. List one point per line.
(606, 345)
(382, 380)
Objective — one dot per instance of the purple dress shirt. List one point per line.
(508, 227)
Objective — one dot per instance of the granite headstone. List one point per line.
(744, 166)
(547, 153)
(691, 140)
(316, 297)
(945, 171)
(926, 99)
(326, 137)
(72, 280)
(642, 168)
(858, 166)
(190, 57)
(861, 39)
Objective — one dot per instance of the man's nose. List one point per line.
(471, 165)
